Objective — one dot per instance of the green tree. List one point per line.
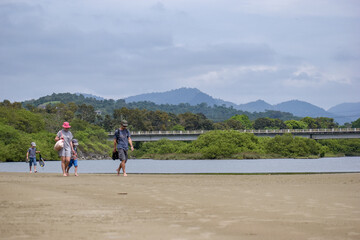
(107, 123)
(22, 119)
(234, 124)
(289, 146)
(324, 122)
(356, 124)
(136, 118)
(293, 124)
(86, 113)
(268, 123)
(310, 122)
(192, 121)
(244, 120)
(178, 127)
(223, 144)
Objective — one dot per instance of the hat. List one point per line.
(66, 125)
(124, 123)
(33, 144)
(75, 142)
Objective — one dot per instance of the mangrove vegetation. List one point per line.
(21, 124)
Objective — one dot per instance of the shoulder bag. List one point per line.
(59, 144)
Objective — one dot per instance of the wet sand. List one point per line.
(179, 207)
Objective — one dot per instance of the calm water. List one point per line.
(343, 164)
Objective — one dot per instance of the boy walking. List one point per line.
(74, 158)
(31, 154)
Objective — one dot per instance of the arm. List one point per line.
(27, 155)
(115, 143)
(72, 148)
(57, 138)
(131, 144)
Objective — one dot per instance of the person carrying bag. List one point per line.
(59, 144)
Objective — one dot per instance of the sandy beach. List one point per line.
(179, 207)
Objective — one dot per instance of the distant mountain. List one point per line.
(191, 96)
(350, 111)
(342, 113)
(194, 96)
(257, 106)
(296, 107)
(302, 109)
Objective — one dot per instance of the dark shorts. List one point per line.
(32, 161)
(123, 154)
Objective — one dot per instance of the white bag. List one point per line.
(59, 145)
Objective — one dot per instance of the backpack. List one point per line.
(117, 135)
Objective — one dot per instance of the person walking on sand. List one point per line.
(31, 153)
(122, 139)
(68, 149)
(74, 158)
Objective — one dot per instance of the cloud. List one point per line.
(309, 76)
(226, 76)
(236, 50)
(300, 8)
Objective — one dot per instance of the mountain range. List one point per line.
(342, 113)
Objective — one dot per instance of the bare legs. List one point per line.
(68, 168)
(64, 165)
(121, 166)
(34, 168)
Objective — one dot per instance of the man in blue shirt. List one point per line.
(122, 139)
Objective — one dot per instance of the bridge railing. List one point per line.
(260, 131)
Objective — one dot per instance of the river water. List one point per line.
(342, 164)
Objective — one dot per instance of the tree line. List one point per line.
(19, 126)
(231, 144)
(156, 120)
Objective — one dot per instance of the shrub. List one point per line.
(288, 146)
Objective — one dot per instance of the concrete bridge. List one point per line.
(334, 133)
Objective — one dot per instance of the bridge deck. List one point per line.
(192, 135)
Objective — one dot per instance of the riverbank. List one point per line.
(242, 156)
(146, 206)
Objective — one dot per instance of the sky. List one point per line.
(235, 50)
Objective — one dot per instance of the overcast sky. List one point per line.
(235, 50)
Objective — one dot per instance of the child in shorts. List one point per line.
(74, 158)
(31, 153)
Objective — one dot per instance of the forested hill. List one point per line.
(107, 106)
(192, 96)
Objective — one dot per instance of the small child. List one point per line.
(31, 153)
(74, 158)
